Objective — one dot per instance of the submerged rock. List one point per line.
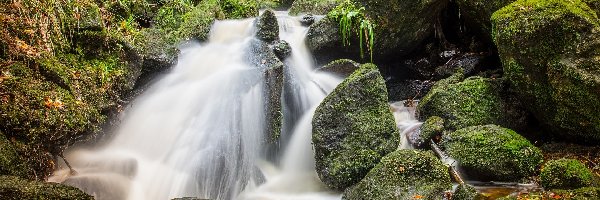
(13, 188)
(566, 174)
(550, 53)
(353, 128)
(470, 102)
(492, 153)
(403, 174)
(267, 28)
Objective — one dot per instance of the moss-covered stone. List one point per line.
(267, 28)
(317, 7)
(353, 128)
(470, 102)
(13, 188)
(467, 192)
(403, 174)
(341, 67)
(550, 50)
(10, 161)
(492, 153)
(566, 174)
(585, 193)
(432, 127)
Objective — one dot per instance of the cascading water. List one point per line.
(198, 131)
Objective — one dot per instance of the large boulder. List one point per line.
(13, 188)
(550, 50)
(353, 128)
(470, 102)
(341, 67)
(401, 27)
(492, 153)
(317, 7)
(566, 174)
(403, 174)
(267, 28)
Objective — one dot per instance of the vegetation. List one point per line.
(352, 20)
(566, 174)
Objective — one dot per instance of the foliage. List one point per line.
(566, 174)
(352, 20)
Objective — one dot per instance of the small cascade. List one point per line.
(199, 130)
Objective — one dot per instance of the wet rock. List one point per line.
(403, 174)
(267, 28)
(566, 174)
(307, 20)
(550, 53)
(466, 192)
(13, 188)
(432, 127)
(324, 41)
(408, 89)
(341, 67)
(263, 57)
(353, 128)
(467, 63)
(317, 7)
(492, 153)
(470, 102)
(282, 49)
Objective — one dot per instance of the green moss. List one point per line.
(566, 174)
(433, 126)
(10, 161)
(317, 7)
(467, 192)
(13, 188)
(549, 52)
(353, 128)
(493, 153)
(474, 101)
(585, 193)
(403, 174)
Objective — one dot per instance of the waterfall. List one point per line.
(198, 131)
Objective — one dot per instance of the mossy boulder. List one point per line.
(403, 174)
(550, 50)
(492, 153)
(470, 102)
(341, 67)
(585, 193)
(467, 192)
(566, 174)
(353, 128)
(14, 188)
(400, 28)
(432, 127)
(317, 7)
(477, 14)
(267, 28)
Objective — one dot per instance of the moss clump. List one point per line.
(492, 153)
(549, 50)
(474, 101)
(13, 188)
(432, 127)
(317, 7)
(10, 161)
(467, 192)
(353, 128)
(403, 174)
(566, 174)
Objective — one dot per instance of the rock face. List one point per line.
(266, 27)
(353, 128)
(13, 188)
(550, 52)
(566, 174)
(317, 7)
(492, 153)
(400, 28)
(403, 174)
(470, 102)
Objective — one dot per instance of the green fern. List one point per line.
(353, 20)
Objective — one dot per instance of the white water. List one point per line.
(198, 131)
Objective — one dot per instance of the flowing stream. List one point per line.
(198, 131)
